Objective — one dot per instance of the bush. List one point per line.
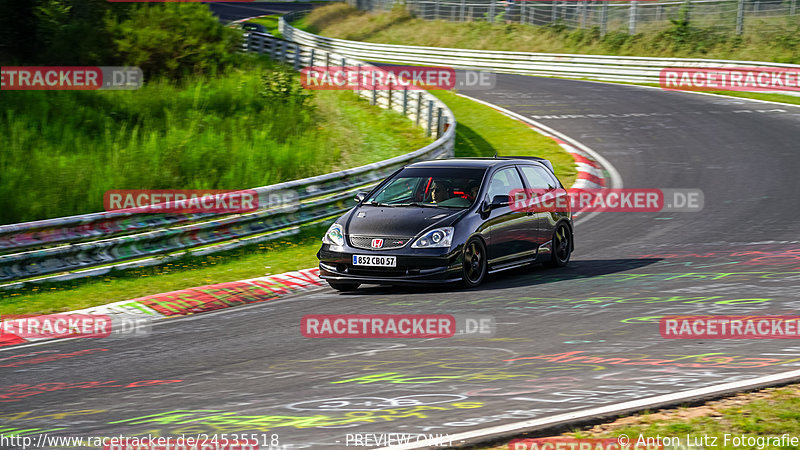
(280, 87)
(175, 40)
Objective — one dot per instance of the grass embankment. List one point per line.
(63, 150)
(766, 413)
(767, 39)
(481, 131)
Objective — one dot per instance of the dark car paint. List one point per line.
(401, 221)
(501, 227)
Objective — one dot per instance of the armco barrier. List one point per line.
(73, 243)
(592, 67)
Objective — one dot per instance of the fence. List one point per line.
(627, 16)
(78, 243)
(593, 67)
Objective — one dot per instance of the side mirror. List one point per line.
(498, 201)
(360, 197)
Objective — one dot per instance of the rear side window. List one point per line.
(539, 178)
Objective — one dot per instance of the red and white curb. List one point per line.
(194, 300)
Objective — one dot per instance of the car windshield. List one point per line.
(433, 187)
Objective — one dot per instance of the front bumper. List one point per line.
(414, 266)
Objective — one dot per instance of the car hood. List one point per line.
(398, 221)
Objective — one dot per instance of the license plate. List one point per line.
(375, 261)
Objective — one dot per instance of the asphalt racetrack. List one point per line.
(566, 340)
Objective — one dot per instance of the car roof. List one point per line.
(469, 162)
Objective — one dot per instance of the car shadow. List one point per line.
(530, 275)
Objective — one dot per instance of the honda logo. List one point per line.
(377, 243)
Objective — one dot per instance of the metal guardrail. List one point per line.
(592, 67)
(74, 243)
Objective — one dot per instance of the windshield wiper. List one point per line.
(373, 203)
(425, 205)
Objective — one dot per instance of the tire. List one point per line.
(344, 287)
(474, 266)
(562, 247)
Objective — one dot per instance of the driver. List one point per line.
(440, 191)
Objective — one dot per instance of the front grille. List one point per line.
(380, 272)
(389, 243)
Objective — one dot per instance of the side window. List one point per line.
(503, 182)
(539, 178)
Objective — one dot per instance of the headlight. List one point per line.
(440, 237)
(334, 235)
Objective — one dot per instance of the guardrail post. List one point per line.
(260, 45)
(405, 100)
(390, 95)
(283, 51)
(555, 12)
(327, 59)
(436, 10)
(632, 21)
(604, 18)
(689, 9)
(522, 11)
(273, 49)
(740, 17)
(311, 58)
(463, 6)
(439, 124)
(793, 7)
(429, 128)
(491, 12)
(584, 6)
(296, 57)
(374, 100)
(419, 108)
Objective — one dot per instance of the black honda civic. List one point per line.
(451, 220)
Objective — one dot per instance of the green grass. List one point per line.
(767, 39)
(63, 149)
(482, 131)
